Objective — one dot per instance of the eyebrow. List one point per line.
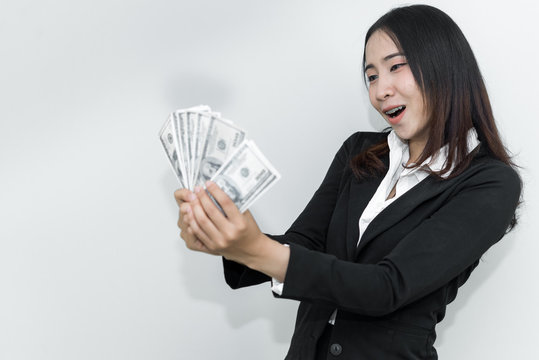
(390, 56)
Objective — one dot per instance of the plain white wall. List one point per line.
(91, 265)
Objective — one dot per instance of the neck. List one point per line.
(415, 149)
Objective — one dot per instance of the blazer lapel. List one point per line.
(400, 208)
(360, 194)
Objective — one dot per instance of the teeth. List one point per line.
(394, 110)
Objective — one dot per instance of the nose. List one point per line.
(384, 88)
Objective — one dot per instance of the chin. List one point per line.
(401, 134)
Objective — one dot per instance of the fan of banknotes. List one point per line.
(201, 146)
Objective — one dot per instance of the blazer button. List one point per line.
(335, 349)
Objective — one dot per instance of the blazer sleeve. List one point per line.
(305, 232)
(435, 252)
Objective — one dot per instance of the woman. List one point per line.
(401, 218)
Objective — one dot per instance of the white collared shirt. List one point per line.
(403, 178)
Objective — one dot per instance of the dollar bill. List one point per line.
(201, 145)
(268, 183)
(190, 122)
(180, 140)
(166, 135)
(246, 175)
(222, 139)
(262, 189)
(202, 127)
(181, 137)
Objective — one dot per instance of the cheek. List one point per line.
(409, 86)
(411, 89)
(414, 95)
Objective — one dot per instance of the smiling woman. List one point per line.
(394, 92)
(402, 217)
(440, 78)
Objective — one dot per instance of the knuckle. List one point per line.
(230, 234)
(183, 217)
(241, 227)
(219, 245)
(190, 228)
(181, 195)
(178, 196)
(204, 221)
(226, 201)
(212, 246)
(213, 211)
(182, 221)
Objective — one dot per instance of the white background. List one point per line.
(91, 265)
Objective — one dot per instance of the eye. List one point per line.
(397, 66)
(371, 78)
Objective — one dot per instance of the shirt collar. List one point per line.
(398, 151)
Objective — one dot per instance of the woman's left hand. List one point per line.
(235, 236)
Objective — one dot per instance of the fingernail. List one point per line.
(209, 183)
(192, 197)
(197, 189)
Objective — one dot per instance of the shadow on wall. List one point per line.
(243, 306)
(202, 279)
(202, 275)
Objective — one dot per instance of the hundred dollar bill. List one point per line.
(269, 182)
(198, 130)
(166, 135)
(174, 145)
(179, 127)
(246, 175)
(262, 189)
(189, 121)
(201, 133)
(222, 139)
(197, 123)
(184, 124)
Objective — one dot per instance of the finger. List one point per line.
(230, 209)
(197, 231)
(192, 242)
(183, 195)
(184, 215)
(204, 223)
(211, 209)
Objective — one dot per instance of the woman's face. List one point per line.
(393, 90)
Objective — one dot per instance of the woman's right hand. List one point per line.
(183, 199)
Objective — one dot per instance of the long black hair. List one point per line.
(444, 67)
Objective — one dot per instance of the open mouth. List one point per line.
(395, 111)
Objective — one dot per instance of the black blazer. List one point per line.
(392, 289)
